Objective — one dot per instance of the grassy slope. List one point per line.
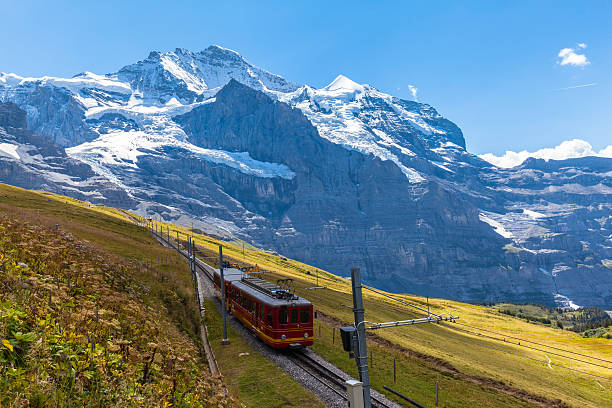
(108, 229)
(507, 368)
(84, 326)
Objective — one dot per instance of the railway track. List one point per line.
(300, 358)
(330, 379)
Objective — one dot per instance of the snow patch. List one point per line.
(545, 272)
(74, 84)
(124, 148)
(533, 214)
(565, 302)
(441, 165)
(343, 84)
(499, 228)
(8, 149)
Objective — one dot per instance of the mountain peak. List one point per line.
(218, 52)
(342, 83)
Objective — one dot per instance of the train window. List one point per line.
(283, 315)
(294, 315)
(305, 316)
(270, 318)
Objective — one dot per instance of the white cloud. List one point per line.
(572, 56)
(575, 87)
(413, 90)
(566, 150)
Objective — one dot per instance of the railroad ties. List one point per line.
(300, 358)
(331, 380)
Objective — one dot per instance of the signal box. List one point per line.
(347, 334)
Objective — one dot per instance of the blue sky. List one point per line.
(491, 67)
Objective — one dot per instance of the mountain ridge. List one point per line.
(373, 180)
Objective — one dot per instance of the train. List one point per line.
(272, 311)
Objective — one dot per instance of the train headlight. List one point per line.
(283, 337)
(305, 335)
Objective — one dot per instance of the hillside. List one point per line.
(94, 312)
(477, 360)
(485, 358)
(83, 326)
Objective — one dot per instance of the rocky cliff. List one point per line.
(35, 161)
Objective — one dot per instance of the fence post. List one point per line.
(394, 376)
(436, 393)
(333, 335)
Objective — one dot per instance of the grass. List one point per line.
(493, 365)
(81, 326)
(468, 365)
(253, 379)
(413, 377)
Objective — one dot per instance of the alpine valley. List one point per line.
(338, 177)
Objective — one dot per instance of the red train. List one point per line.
(276, 315)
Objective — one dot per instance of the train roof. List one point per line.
(269, 300)
(231, 274)
(261, 290)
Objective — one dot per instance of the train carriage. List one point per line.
(276, 315)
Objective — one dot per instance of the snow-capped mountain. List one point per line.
(336, 176)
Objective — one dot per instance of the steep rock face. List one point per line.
(34, 161)
(52, 112)
(346, 208)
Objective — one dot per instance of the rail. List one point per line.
(334, 382)
(324, 375)
(416, 404)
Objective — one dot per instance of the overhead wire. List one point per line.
(540, 361)
(500, 334)
(508, 336)
(539, 344)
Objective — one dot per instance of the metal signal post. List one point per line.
(361, 353)
(225, 340)
(354, 337)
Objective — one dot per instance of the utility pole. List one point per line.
(361, 353)
(225, 340)
(354, 340)
(193, 273)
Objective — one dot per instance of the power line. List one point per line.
(544, 345)
(503, 335)
(521, 345)
(540, 361)
(401, 301)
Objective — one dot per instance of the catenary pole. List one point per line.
(224, 311)
(361, 355)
